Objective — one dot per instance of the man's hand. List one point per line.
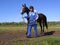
(34, 20)
(23, 17)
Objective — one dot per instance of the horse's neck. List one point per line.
(27, 12)
(28, 18)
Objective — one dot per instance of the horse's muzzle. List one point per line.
(21, 13)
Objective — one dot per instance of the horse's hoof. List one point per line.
(26, 33)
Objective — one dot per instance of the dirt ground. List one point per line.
(8, 37)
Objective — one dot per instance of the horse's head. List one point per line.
(24, 9)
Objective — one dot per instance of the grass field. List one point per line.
(15, 35)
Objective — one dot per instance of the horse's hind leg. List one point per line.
(46, 24)
(45, 20)
(43, 26)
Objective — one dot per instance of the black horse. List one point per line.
(42, 20)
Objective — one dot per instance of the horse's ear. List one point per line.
(24, 5)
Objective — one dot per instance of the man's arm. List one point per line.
(25, 17)
(36, 13)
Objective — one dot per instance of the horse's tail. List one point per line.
(46, 23)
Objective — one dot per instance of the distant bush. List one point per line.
(12, 24)
(53, 23)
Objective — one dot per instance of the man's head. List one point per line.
(31, 8)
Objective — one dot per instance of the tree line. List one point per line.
(22, 23)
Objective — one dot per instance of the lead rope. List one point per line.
(23, 19)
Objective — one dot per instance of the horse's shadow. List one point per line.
(49, 33)
(45, 34)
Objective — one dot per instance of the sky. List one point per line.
(10, 9)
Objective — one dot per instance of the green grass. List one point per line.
(11, 28)
(31, 41)
(37, 41)
(4, 29)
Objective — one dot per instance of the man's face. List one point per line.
(31, 9)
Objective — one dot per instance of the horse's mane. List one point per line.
(27, 11)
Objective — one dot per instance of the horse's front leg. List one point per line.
(42, 31)
(27, 29)
(27, 26)
(40, 26)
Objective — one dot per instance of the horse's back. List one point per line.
(41, 15)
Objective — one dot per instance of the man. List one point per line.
(33, 16)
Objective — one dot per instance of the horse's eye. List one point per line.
(24, 9)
